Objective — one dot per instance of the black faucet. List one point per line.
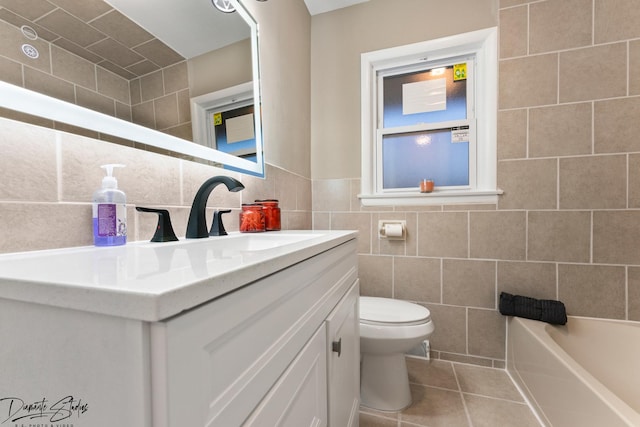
(197, 225)
(217, 227)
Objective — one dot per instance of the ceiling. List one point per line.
(190, 27)
(124, 37)
(208, 28)
(321, 6)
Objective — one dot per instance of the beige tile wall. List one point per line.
(160, 100)
(50, 176)
(451, 262)
(568, 224)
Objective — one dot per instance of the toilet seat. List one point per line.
(392, 312)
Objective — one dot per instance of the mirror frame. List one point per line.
(27, 101)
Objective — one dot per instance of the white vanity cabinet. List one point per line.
(252, 345)
(214, 365)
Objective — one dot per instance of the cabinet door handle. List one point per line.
(336, 346)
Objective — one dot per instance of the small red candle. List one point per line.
(426, 186)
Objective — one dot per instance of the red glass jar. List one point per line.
(271, 213)
(252, 218)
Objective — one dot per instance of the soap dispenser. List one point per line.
(109, 211)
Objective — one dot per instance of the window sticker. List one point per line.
(460, 72)
(240, 128)
(460, 134)
(217, 119)
(424, 96)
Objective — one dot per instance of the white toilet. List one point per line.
(388, 329)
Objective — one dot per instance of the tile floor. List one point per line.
(448, 394)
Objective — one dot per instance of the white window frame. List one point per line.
(470, 121)
(482, 188)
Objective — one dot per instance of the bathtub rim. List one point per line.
(538, 330)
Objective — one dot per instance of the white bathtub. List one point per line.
(585, 373)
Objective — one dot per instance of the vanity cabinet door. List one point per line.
(299, 398)
(213, 365)
(343, 336)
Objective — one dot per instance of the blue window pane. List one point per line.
(411, 157)
(392, 108)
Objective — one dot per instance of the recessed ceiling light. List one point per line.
(29, 32)
(30, 51)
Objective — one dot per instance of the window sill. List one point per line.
(443, 197)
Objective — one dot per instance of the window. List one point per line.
(429, 112)
(426, 124)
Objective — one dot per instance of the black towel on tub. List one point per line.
(549, 311)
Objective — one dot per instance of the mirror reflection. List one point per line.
(118, 59)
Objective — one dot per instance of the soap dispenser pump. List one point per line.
(109, 211)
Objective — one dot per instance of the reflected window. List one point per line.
(232, 130)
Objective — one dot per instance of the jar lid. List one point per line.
(267, 200)
(251, 205)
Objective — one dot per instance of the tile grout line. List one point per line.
(460, 392)
(501, 399)
(464, 403)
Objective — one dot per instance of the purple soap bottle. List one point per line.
(109, 211)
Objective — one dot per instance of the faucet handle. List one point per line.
(164, 230)
(217, 228)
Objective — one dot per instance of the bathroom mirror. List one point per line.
(144, 68)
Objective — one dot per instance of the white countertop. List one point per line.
(153, 281)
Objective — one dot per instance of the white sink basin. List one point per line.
(261, 241)
(152, 281)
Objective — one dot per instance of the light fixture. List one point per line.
(224, 6)
(437, 71)
(29, 32)
(30, 51)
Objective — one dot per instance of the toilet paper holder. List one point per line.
(392, 229)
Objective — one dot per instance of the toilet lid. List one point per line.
(386, 310)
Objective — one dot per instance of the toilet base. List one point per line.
(384, 382)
